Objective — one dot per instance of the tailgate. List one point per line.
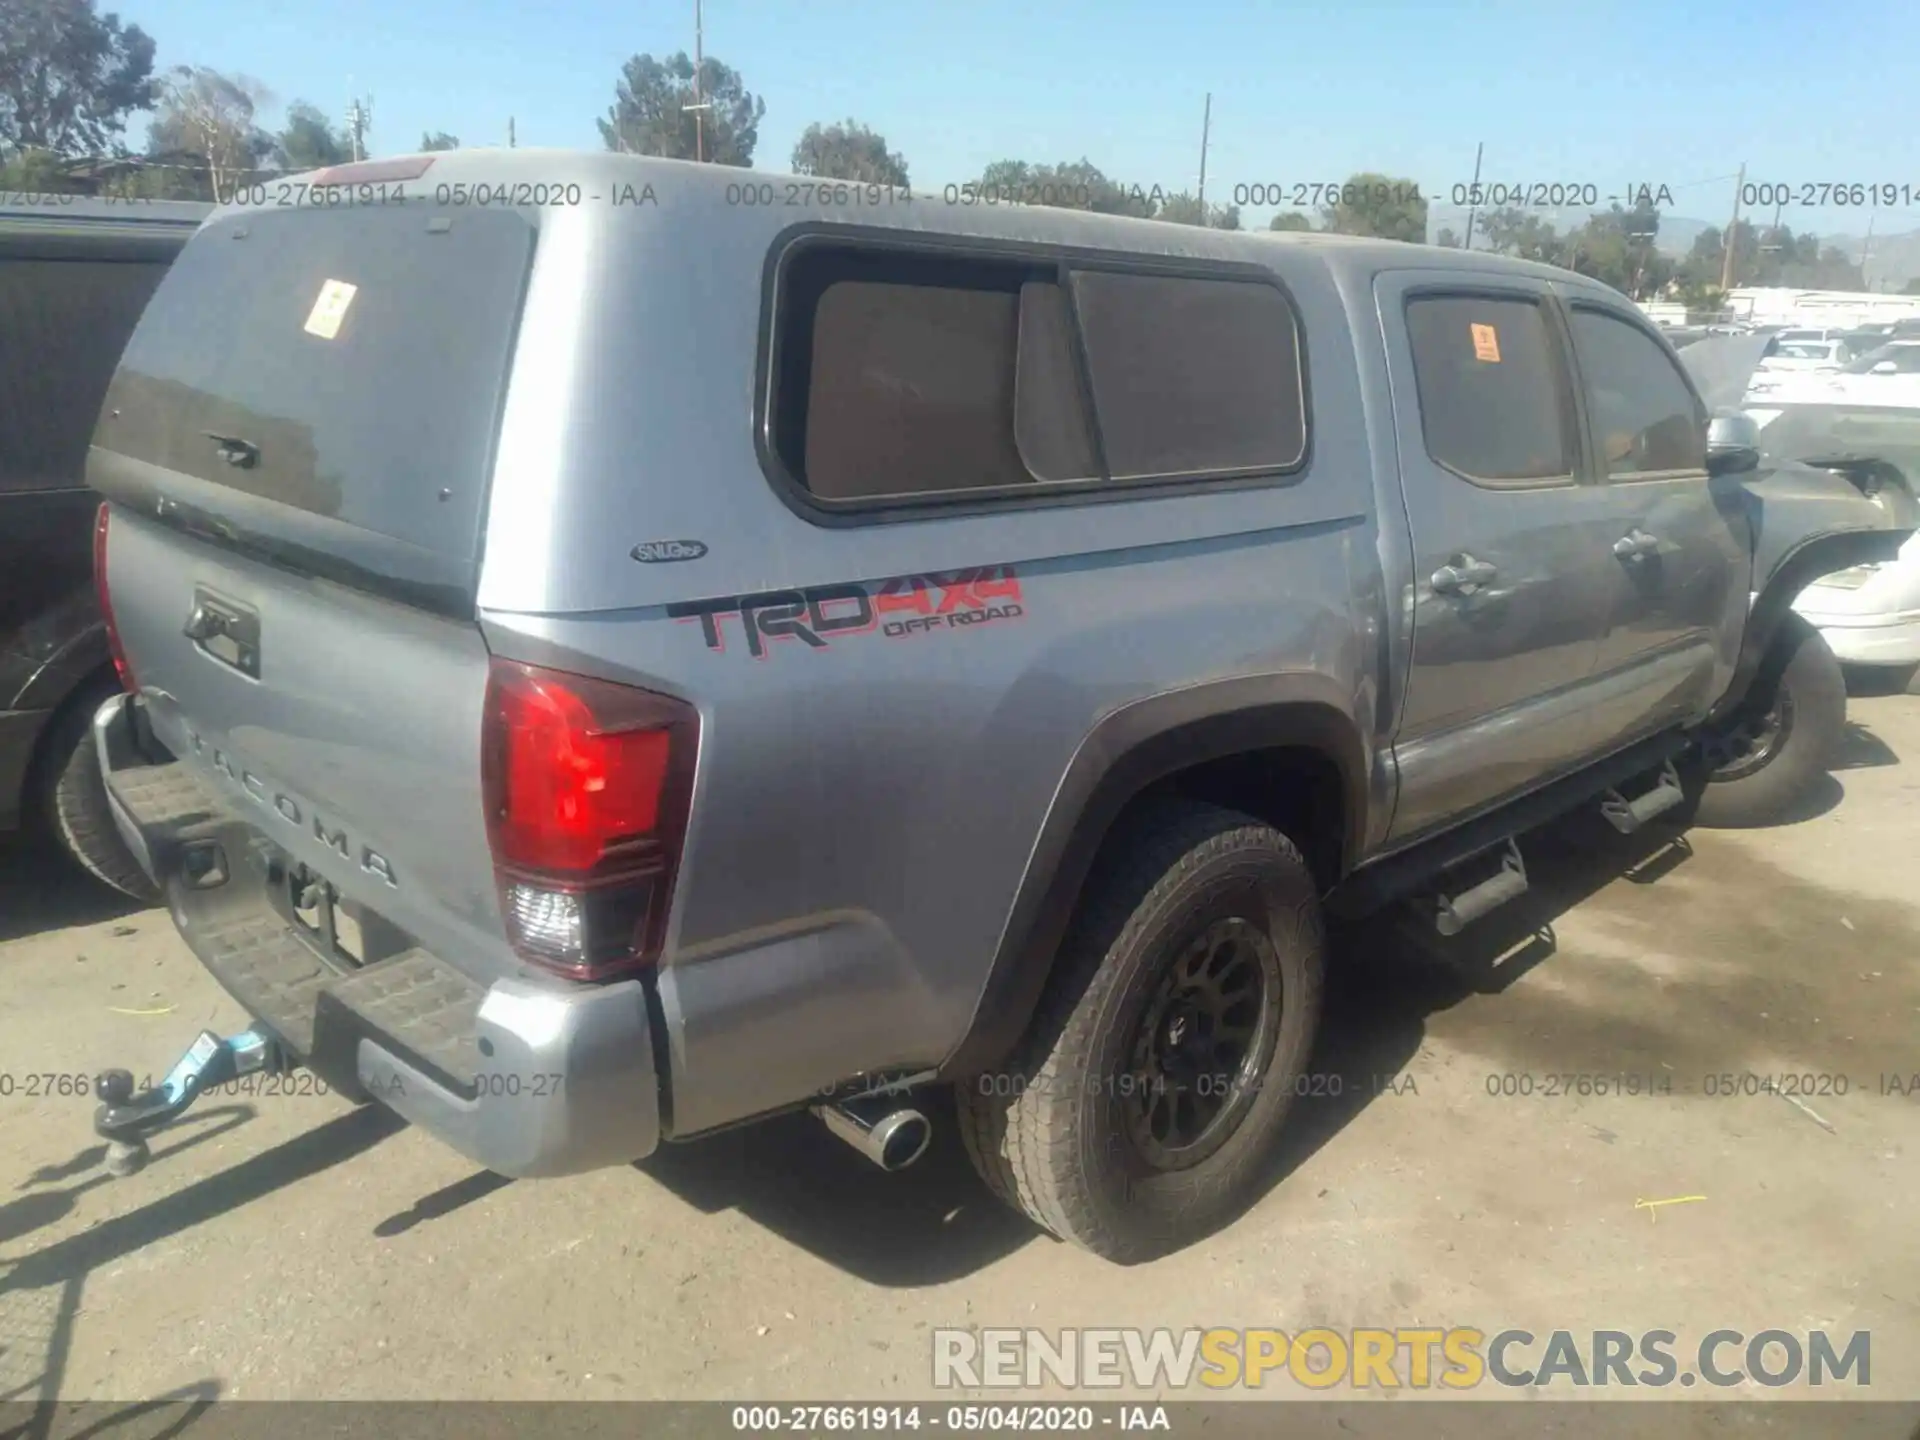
(297, 447)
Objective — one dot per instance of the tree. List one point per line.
(36, 171)
(1184, 209)
(1070, 185)
(1912, 287)
(1374, 204)
(1617, 249)
(69, 77)
(1773, 256)
(1447, 238)
(649, 115)
(1291, 220)
(205, 121)
(848, 151)
(308, 140)
(1512, 231)
(439, 140)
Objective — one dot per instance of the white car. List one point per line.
(1807, 355)
(1888, 376)
(1870, 615)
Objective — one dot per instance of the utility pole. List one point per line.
(1473, 195)
(1733, 231)
(1206, 128)
(359, 121)
(1866, 250)
(699, 108)
(510, 139)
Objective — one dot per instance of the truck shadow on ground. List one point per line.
(928, 1224)
(42, 890)
(1695, 957)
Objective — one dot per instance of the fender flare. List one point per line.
(1806, 562)
(67, 669)
(1128, 752)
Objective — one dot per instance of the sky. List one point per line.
(1679, 93)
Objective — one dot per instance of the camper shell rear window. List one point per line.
(349, 364)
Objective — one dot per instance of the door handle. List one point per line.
(205, 623)
(1463, 577)
(1636, 544)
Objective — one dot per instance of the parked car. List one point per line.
(74, 276)
(1888, 376)
(1868, 613)
(719, 660)
(1806, 355)
(1803, 334)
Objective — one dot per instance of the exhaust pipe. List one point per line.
(889, 1134)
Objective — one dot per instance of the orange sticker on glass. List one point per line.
(1486, 344)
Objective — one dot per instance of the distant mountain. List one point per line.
(1892, 261)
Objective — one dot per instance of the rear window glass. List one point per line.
(1492, 400)
(347, 363)
(62, 326)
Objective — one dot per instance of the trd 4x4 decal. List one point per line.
(906, 605)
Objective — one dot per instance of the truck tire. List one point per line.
(73, 799)
(1139, 1113)
(1754, 769)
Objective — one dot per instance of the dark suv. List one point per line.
(75, 274)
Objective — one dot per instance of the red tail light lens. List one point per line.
(120, 666)
(587, 788)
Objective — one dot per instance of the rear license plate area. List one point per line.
(311, 904)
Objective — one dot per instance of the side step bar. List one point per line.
(1627, 816)
(1453, 913)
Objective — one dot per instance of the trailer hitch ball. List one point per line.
(127, 1157)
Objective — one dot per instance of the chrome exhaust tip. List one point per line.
(891, 1135)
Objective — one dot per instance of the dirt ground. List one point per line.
(293, 1247)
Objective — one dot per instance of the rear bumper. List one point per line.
(523, 1078)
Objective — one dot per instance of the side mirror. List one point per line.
(1733, 444)
(1886, 367)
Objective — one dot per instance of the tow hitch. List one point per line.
(126, 1119)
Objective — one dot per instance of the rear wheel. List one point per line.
(1754, 768)
(1141, 1109)
(73, 798)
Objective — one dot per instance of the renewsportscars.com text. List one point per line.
(1415, 1358)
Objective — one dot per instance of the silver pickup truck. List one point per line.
(618, 648)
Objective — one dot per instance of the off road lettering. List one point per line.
(814, 617)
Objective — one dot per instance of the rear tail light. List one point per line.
(587, 787)
(120, 666)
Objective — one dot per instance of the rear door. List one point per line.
(298, 444)
(1510, 597)
(1677, 546)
